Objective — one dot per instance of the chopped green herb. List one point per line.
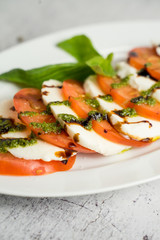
(92, 102)
(86, 123)
(28, 114)
(96, 115)
(68, 118)
(54, 127)
(144, 100)
(148, 64)
(8, 125)
(13, 143)
(107, 97)
(150, 90)
(127, 112)
(123, 82)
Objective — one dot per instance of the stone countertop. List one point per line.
(127, 214)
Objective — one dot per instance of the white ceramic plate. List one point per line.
(91, 173)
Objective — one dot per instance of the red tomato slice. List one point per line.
(13, 166)
(103, 128)
(154, 68)
(138, 57)
(29, 99)
(123, 95)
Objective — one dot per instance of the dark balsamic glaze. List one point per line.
(7, 124)
(64, 162)
(144, 73)
(64, 154)
(76, 137)
(13, 109)
(71, 145)
(51, 86)
(133, 54)
(45, 93)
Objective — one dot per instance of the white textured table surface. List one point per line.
(130, 214)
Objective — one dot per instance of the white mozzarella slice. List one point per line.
(158, 50)
(140, 128)
(156, 94)
(20, 134)
(138, 82)
(137, 127)
(108, 106)
(40, 150)
(7, 110)
(87, 138)
(145, 127)
(92, 89)
(124, 69)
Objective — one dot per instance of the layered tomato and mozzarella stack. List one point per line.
(42, 131)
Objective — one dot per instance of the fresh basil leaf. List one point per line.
(79, 47)
(102, 66)
(36, 76)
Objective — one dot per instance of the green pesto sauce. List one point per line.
(87, 122)
(107, 97)
(54, 127)
(123, 82)
(127, 112)
(144, 100)
(32, 114)
(92, 102)
(150, 90)
(96, 115)
(148, 64)
(28, 114)
(13, 143)
(68, 118)
(8, 125)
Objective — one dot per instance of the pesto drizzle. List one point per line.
(150, 90)
(107, 97)
(32, 114)
(28, 114)
(123, 82)
(54, 127)
(92, 102)
(127, 112)
(143, 100)
(16, 142)
(8, 125)
(87, 122)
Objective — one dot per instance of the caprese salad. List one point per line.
(87, 107)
